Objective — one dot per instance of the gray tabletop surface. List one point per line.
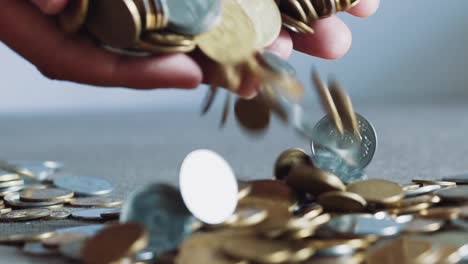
(134, 148)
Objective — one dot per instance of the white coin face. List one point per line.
(208, 186)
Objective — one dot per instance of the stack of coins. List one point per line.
(297, 15)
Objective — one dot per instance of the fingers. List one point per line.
(283, 45)
(332, 39)
(365, 8)
(75, 59)
(51, 7)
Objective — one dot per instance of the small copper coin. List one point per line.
(114, 243)
(289, 159)
(312, 180)
(253, 115)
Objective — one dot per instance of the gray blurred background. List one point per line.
(409, 52)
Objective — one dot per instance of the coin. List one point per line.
(45, 195)
(315, 181)
(235, 32)
(72, 250)
(38, 170)
(192, 17)
(84, 185)
(443, 213)
(7, 176)
(266, 19)
(247, 217)
(114, 22)
(37, 249)
(361, 153)
(114, 243)
(273, 190)
(459, 179)
(327, 101)
(90, 230)
(338, 201)
(89, 214)
(404, 249)
(418, 225)
(147, 46)
(434, 182)
(161, 210)
(253, 115)
(25, 214)
(170, 39)
(427, 189)
(345, 109)
(114, 214)
(13, 200)
(309, 211)
(73, 17)
(9, 190)
(257, 250)
(59, 213)
(362, 225)
(295, 25)
(377, 191)
(96, 202)
(58, 239)
(5, 210)
(456, 194)
(217, 203)
(7, 184)
(23, 238)
(288, 159)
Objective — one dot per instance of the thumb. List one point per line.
(51, 7)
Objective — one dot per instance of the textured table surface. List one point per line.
(135, 148)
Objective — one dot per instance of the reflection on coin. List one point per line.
(96, 202)
(37, 249)
(59, 213)
(24, 215)
(362, 225)
(161, 210)
(361, 153)
(202, 168)
(114, 243)
(89, 214)
(84, 185)
(57, 239)
(45, 195)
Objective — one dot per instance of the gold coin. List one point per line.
(357, 258)
(45, 195)
(455, 194)
(233, 40)
(289, 159)
(273, 190)
(410, 187)
(257, 250)
(309, 212)
(23, 238)
(114, 243)
(414, 208)
(327, 101)
(309, 10)
(355, 243)
(345, 108)
(295, 10)
(73, 16)
(277, 212)
(407, 202)
(266, 19)
(443, 213)
(161, 49)
(312, 180)
(325, 8)
(338, 201)
(246, 216)
(115, 22)
(169, 39)
(5, 210)
(25, 214)
(300, 228)
(295, 25)
(58, 239)
(98, 201)
(404, 250)
(253, 115)
(5, 177)
(377, 191)
(205, 248)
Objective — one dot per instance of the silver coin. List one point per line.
(456, 194)
(192, 17)
(84, 185)
(402, 219)
(361, 225)
(334, 163)
(459, 179)
(13, 200)
(90, 230)
(8, 190)
(37, 249)
(11, 183)
(278, 64)
(90, 214)
(72, 250)
(359, 153)
(161, 210)
(422, 190)
(59, 213)
(40, 170)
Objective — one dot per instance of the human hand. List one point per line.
(73, 58)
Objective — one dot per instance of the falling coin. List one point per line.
(84, 185)
(253, 115)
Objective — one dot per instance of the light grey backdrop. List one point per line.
(410, 51)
